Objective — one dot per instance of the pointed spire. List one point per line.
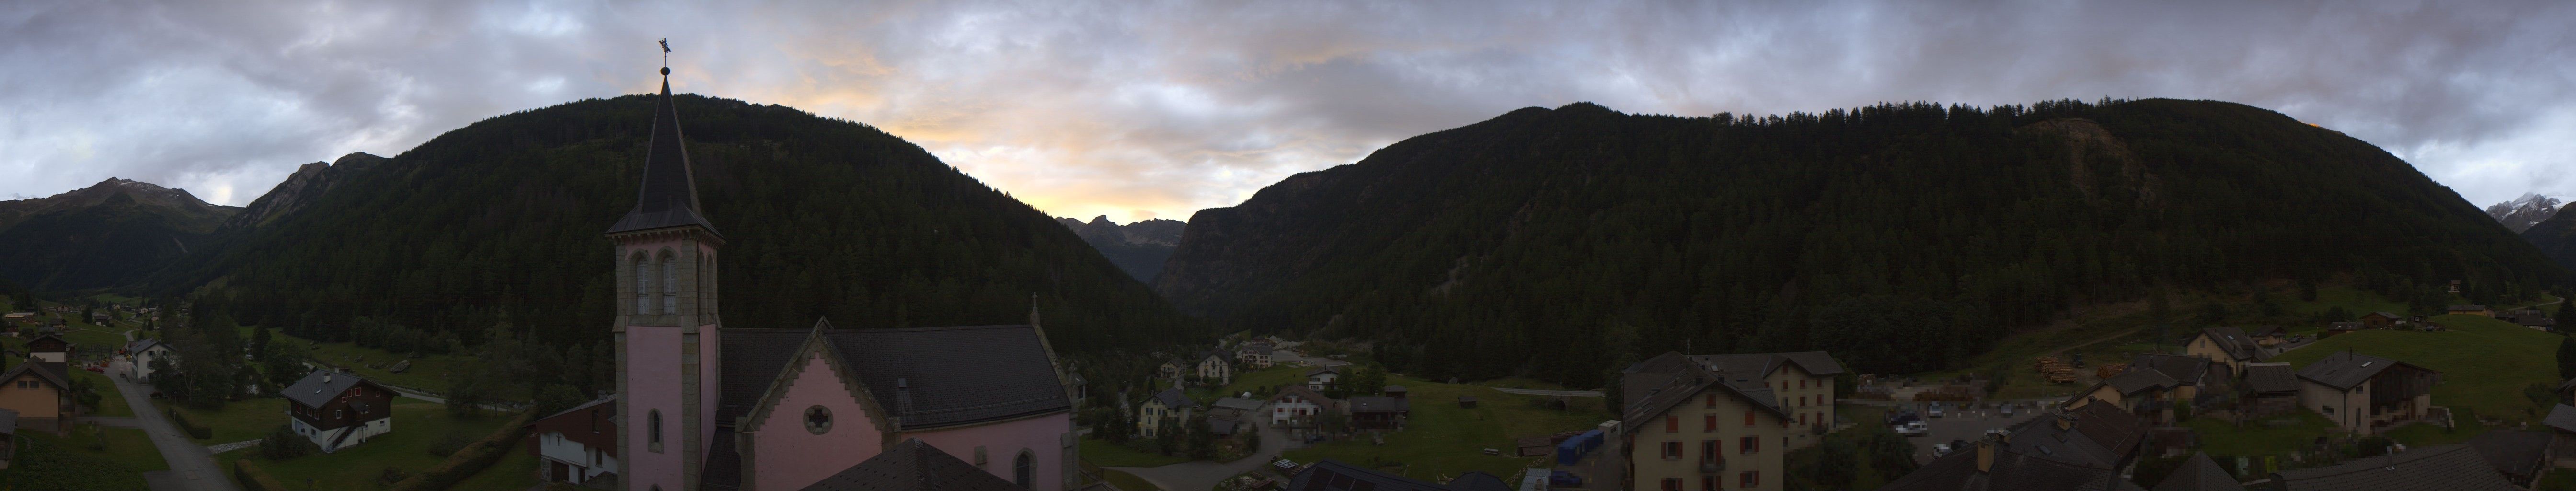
(669, 195)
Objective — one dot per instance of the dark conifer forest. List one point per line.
(499, 223)
(1904, 237)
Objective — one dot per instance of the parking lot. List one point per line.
(1962, 421)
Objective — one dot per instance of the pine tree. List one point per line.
(2566, 358)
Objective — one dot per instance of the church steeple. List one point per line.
(669, 196)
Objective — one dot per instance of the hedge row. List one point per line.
(470, 460)
(253, 478)
(194, 431)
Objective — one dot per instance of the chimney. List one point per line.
(1985, 455)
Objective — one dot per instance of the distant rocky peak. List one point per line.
(302, 188)
(2521, 213)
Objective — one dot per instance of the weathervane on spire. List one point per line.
(666, 57)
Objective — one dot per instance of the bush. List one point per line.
(448, 445)
(190, 427)
(254, 479)
(471, 459)
(283, 444)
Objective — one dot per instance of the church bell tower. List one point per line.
(667, 332)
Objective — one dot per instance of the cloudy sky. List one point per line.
(1156, 109)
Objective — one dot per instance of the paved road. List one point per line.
(1963, 424)
(1201, 474)
(1557, 393)
(192, 468)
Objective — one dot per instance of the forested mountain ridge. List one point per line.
(1905, 237)
(1138, 248)
(2556, 238)
(301, 189)
(500, 222)
(112, 233)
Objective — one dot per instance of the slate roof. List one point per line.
(2011, 471)
(669, 196)
(1376, 404)
(2562, 417)
(2096, 435)
(2134, 381)
(61, 381)
(2199, 474)
(142, 344)
(2346, 369)
(1172, 398)
(1336, 370)
(1310, 395)
(2442, 468)
(752, 360)
(1237, 403)
(1334, 475)
(2513, 453)
(2271, 377)
(957, 375)
(913, 466)
(314, 390)
(2232, 340)
(1693, 380)
(2183, 369)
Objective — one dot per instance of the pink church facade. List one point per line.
(706, 407)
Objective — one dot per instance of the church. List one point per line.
(716, 408)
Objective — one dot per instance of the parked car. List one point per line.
(2007, 410)
(1934, 411)
(1914, 428)
(1940, 449)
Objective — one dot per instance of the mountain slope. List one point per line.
(113, 233)
(2522, 213)
(301, 189)
(1138, 248)
(500, 221)
(2556, 238)
(1552, 243)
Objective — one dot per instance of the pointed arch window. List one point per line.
(653, 427)
(643, 286)
(1024, 469)
(670, 285)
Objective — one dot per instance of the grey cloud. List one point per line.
(1132, 109)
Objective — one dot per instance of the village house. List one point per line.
(576, 445)
(2082, 449)
(1234, 408)
(1296, 406)
(1172, 370)
(2478, 310)
(703, 406)
(1164, 412)
(2267, 390)
(2226, 345)
(1701, 429)
(1323, 378)
(2562, 434)
(2365, 394)
(1379, 412)
(142, 354)
(2155, 383)
(1214, 368)
(2532, 318)
(337, 410)
(2519, 456)
(1254, 355)
(1803, 381)
(49, 348)
(2446, 467)
(2381, 320)
(39, 394)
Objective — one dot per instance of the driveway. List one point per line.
(1201, 474)
(192, 468)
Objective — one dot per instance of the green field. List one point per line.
(417, 424)
(247, 419)
(45, 463)
(1443, 439)
(2276, 436)
(515, 471)
(110, 402)
(126, 447)
(427, 373)
(2485, 363)
(1115, 455)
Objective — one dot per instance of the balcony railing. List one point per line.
(1712, 466)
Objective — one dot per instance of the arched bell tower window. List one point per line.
(653, 427)
(643, 286)
(670, 284)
